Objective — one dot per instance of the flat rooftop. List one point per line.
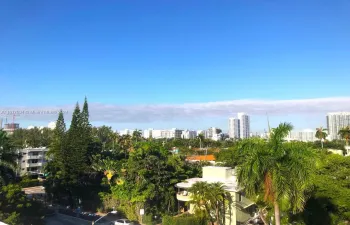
(34, 190)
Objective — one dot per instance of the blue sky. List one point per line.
(131, 53)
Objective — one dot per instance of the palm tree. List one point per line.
(345, 134)
(125, 143)
(7, 159)
(218, 195)
(209, 199)
(278, 170)
(107, 166)
(200, 198)
(321, 134)
(137, 135)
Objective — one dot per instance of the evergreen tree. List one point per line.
(55, 167)
(85, 113)
(85, 125)
(56, 149)
(75, 163)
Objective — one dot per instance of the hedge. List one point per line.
(184, 219)
(30, 183)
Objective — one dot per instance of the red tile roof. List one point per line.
(201, 158)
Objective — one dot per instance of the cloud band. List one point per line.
(172, 112)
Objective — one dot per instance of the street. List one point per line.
(60, 219)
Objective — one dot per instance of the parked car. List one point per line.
(122, 222)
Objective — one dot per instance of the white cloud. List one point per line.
(173, 112)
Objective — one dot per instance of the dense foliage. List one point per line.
(185, 219)
(34, 137)
(15, 208)
(97, 169)
(145, 179)
(326, 194)
(330, 201)
(71, 179)
(210, 201)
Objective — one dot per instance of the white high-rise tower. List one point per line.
(233, 127)
(244, 125)
(335, 122)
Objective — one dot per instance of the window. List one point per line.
(23, 161)
(240, 197)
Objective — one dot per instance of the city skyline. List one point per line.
(231, 127)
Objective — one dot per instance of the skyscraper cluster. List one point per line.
(239, 127)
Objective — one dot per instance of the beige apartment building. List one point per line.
(242, 208)
(32, 161)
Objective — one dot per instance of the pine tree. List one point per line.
(56, 148)
(86, 126)
(75, 163)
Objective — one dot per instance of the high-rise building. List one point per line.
(189, 134)
(147, 133)
(244, 125)
(335, 122)
(233, 127)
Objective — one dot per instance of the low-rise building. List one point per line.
(32, 161)
(125, 132)
(305, 135)
(201, 158)
(157, 134)
(242, 209)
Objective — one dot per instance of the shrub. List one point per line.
(185, 219)
(148, 219)
(28, 182)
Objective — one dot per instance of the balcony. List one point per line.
(183, 196)
(34, 156)
(34, 164)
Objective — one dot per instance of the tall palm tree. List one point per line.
(345, 134)
(321, 134)
(277, 169)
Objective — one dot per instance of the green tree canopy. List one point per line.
(278, 170)
(345, 134)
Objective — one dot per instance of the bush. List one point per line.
(148, 219)
(27, 182)
(185, 219)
